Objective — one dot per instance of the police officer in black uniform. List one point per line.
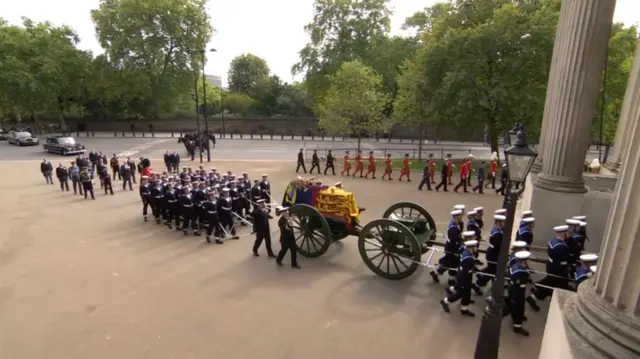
(63, 176)
(132, 165)
(301, 162)
(265, 189)
(87, 183)
(261, 229)
(330, 163)
(315, 162)
(504, 177)
(287, 238)
(145, 193)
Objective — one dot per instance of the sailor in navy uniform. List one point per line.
(144, 195)
(501, 211)
(575, 243)
(517, 246)
(265, 189)
(185, 202)
(224, 213)
(584, 271)
(460, 207)
(210, 209)
(579, 236)
(449, 262)
(464, 280)
(199, 196)
(493, 251)
(479, 217)
(525, 232)
(557, 268)
(155, 200)
(523, 215)
(583, 228)
(170, 205)
(473, 226)
(519, 279)
(256, 194)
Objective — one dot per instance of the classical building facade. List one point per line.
(601, 320)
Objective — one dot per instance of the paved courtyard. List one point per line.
(88, 279)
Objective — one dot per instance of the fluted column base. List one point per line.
(537, 165)
(560, 184)
(597, 329)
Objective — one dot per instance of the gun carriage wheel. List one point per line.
(389, 249)
(417, 219)
(311, 229)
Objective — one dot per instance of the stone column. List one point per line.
(629, 110)
(604, 317)
(584, 30)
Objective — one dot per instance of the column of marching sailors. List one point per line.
(566, 264)
(428, 178)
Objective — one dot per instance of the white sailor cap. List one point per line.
(499, 217)
(260, 201)
(213, 168)
(500, 211)
(583, 224)
(216, 186)
(244, 173)
(522, 255)
(226, 189)
(282, 209)
(470, 156)
(572, 222)
(479, 209)
(519, 244)
(467, 234)
(264, 175)
(504, 165)
(338, 184)
(460, 207)
(588, 258)
(456, 212)
(527, 213)
(471, 243)
(560, 229)
(145, 177)
(471, 213)
(593, 268)
(528, 220)
(580, 218)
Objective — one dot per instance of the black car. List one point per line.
(4, 135)
(63, 145)
(22, 138)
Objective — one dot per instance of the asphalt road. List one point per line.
(247, 149)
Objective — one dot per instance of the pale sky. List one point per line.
(271, 29)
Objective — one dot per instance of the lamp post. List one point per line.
(519, 159)
(204, 91)
(195, 97)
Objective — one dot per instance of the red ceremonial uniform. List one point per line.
(387, 163)
(432, 170)
(493, 168)
(449, 167)
(358, 163)
(347, 163)
(464, 170)
(372, 164)
(405, 166)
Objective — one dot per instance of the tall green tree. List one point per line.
(159, 39)
(354, 102)
(341, 31)
(247, 71)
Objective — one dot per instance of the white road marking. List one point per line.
(142, 147)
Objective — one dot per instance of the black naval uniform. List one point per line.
(444, 172)
(301, 163)
(170, 207)
(155, 200)
(225, 216)
(87, 184)
(287, 243)
(519, 277)
(558, 268)
(262, 231)
(188, 212)
(449, 262)
(127, 173)
(198, 197)
(145, 193)
(211, 218)
(493, 252)
(256, 195)
(63, 176)
(330, 164)
(463, 286)
(315, 162)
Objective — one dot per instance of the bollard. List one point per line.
(122, 133)
(231, 136)
(142, 133)
(385, 152)
(87, 133)
(469, 151)
(77, 133)
(292, 137)
(180, 133)
(260, 136)
(311, 137)
(252, 135)
(272, 136)
(282, 136)
(322, 138)
(389, 139)
(333, 138)
(303, 137)
(171, 134)
(93, 134)
(115, 134)
(241, 136)
(442, 153)
(153, 134)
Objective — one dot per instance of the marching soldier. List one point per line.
(460, 207)
(406, 170)
(504, 177)
(479, 215)
(170, 205)
(583, 225)
(359, 167)
(47, 170)
(472, 224)
(372, 166)
(63, 177)
(469, 162)
(265, 189)
(525, 232)
(444, 173)
(462, 289)
(261, 229)
(426, 178)
(330, 163)
(224, 214)
(449, 163)
(127, 173)
(480, 186)
(115, 167)
(493, 171)
(211, 218)
(301, 162)
(256, 194)
(493, 251)
(387, 168)
(315, 162)
(186, 206)
(347, 164)
(287, 239)
(573, 242)
(449, 262)
(519, 279)
(557, 268)
(144, 195)
(464, 172)
(198, 196)
(75, 178)
(586, 269)
(431, 163)
(87, 183)
(523, 215)
(155, 199)
(517, 246)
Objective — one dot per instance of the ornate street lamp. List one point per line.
(519, 159)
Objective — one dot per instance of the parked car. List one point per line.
(63, 145)
(22, 138)
(3, 135)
